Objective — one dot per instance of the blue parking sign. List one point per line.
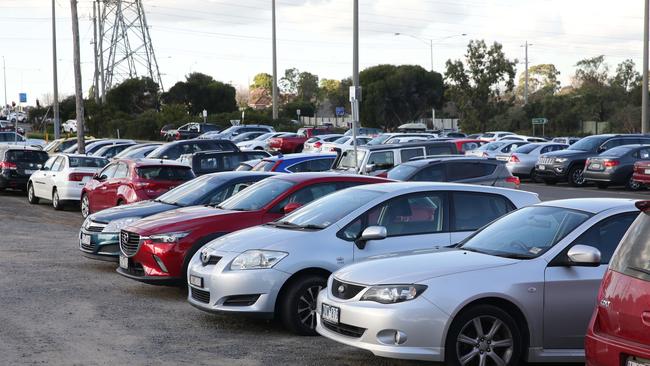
(340, 111)
(23, 97)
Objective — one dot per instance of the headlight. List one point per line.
(116, 225)
(392, 294)
(86, 223)
(561, 160)
(257, 259)
(168, 237)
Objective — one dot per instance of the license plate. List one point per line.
(29, 172)
(124, 262)
(503, 158)
(647, 171)
(85, 239)
(541, 167)
(196, 281)
(636, 362)
(330, 314)
(595, 166)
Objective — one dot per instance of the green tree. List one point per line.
(199, 92)
(626, 78)
(541, 78)
(262, 81)
(307, 86)
(134, 96)
(592, 72)
(477, 86)
(289, 82)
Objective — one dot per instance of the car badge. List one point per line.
(205, 258)
(341, 289)
(605, 303)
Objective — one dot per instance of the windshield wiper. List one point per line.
(284, 224)
(513, 256)
(312, 227)
(642, 270)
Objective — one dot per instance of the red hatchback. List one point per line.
(158, 249)
(642, 172)
(619, 333)
(128, 181)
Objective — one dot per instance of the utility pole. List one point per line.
(55, 77)
(100, 28)
(644, 102)
(4, 77)
(526, 86)
(275, 66)
(81, 146)
(355, 94)
(95, 56)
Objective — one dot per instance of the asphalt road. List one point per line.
(58, 308)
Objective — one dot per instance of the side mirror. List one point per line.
(369, 168)
(371, 233)
(602, 149)
(45, 168)
(584, 255)
(290, 207)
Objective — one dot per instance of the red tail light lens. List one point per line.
(8, 165)
(514, 159)
(78, 177)
(142, 184)
(611, 163)
(318, 144)
(515, 180)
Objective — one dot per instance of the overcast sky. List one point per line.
(231, 39)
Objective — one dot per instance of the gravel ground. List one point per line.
(59, 308)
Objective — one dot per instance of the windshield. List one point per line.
(328, 210)
(227, 130)
(257, 196)
(526, 233)
(587, 144)
(192, 192)
(87, 162)
(492, 146)
(264, 166)
(401, 172)
(342, 140)
(618, 151)
(347, 159)
(264, 136)
(379, 139)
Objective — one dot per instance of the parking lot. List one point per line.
(60, 308)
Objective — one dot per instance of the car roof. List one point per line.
(304, 177)
(152, 162)
(304, 156)
(408, 187)
(406, 145)
(241, 174)
(427, 161)
(70, 155)
(592, 205)
(18, 147)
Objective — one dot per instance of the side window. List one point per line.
(612, 143)
(433, 173)
(438, 150)
(173, 152)
(468, 146)
(300, 167)
(122, 171)
(606, 234)
(460, 171)
(49, 163)
(408, 154)
(644, 154)
(58, 164)
(306, 195)
(547, 149)
(382, 160)
(109, 171)
(471, 211)
(321, 165)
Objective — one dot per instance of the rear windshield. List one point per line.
(264, 166)
(526, 149)
(26, 156)
(84, 162)
(165, 173)
(633, 254)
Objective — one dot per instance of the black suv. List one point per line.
(174, 150)
(190, 131)
(568, 165)
(17, 164)
(206, 162)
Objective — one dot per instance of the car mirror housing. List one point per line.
(584, 255)
(370, 168)
(290, 207)
(371, 233)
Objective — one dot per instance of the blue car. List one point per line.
(296, 163)
(99, 234)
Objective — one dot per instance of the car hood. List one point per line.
(261, 237)
(138, 209)
(569, 153)
(181, 219)
(417, 266)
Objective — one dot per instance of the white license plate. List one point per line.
(124, 262)
(29, 172)
(196, 281)
(330, 314)
(634, 362)
(647, 171)
(541, 167)
(595, 166)
(85, 239)
(503, 158)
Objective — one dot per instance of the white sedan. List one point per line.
(262, 142)
(344, 143)
(62, 178)
(314, 144)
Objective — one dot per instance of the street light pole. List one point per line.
(354, 98)
(644, 101)
(275, 67)
(4, 77)
(76, 53)
(55, 77)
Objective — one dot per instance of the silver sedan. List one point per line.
(492, 149)
(521, 162)
(522, 287)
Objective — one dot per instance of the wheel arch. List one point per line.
(318, 271)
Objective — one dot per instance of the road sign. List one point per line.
(355, 94)
(23, 97)
(340, 111)
(540, 121)
(298, 112)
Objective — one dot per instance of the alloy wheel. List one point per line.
(633, 185)
(85, 206)
(30, 193)
(55, 199)
(307, 306)
(578, 177)
(485, 341)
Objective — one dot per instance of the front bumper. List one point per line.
(102, 246)
(157, 263)
(555, 171)
(421, 322)
(221, 287)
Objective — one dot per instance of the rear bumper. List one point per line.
(602, 350)
(7, 181)
(70, 191)
(613, 177)
(642, 178)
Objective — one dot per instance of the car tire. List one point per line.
(468, 339)
(576, 177)
(602, 185)
(31, 195)
(56, 201)
(550, 182)
(85, 205)
(633, 185)
(533, 176)
(298, 305)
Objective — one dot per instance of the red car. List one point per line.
(288, 145)
(463, 145)
(158, 249)
(128, 181)
(642, 172)
(619, 332)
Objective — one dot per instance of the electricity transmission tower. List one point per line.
(123, 48)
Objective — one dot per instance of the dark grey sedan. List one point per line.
(614, 167)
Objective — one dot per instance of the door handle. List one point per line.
(645, 317)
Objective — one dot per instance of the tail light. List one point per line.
(8, 165)
(78, 177)
(178, 135)
(643, 206)
(514, 159)
(332, 149)
(611, 163)
(142, 184)
(318, 144)
(515, 180)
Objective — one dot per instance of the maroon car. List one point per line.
(294, 144)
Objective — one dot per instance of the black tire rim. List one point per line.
(578, 177)
(476, 347)
(307, 306)
(85, 210)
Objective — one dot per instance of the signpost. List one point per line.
(205, 116)
(298, 113)
(539, 121)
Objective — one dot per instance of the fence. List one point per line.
(340, 122)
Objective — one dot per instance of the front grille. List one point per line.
(129, 243)
(200, 295)
(545, 161)
(345, 329)
(349, 290)
(96, 227)
(241, 300)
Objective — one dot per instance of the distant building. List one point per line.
(260, 99)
